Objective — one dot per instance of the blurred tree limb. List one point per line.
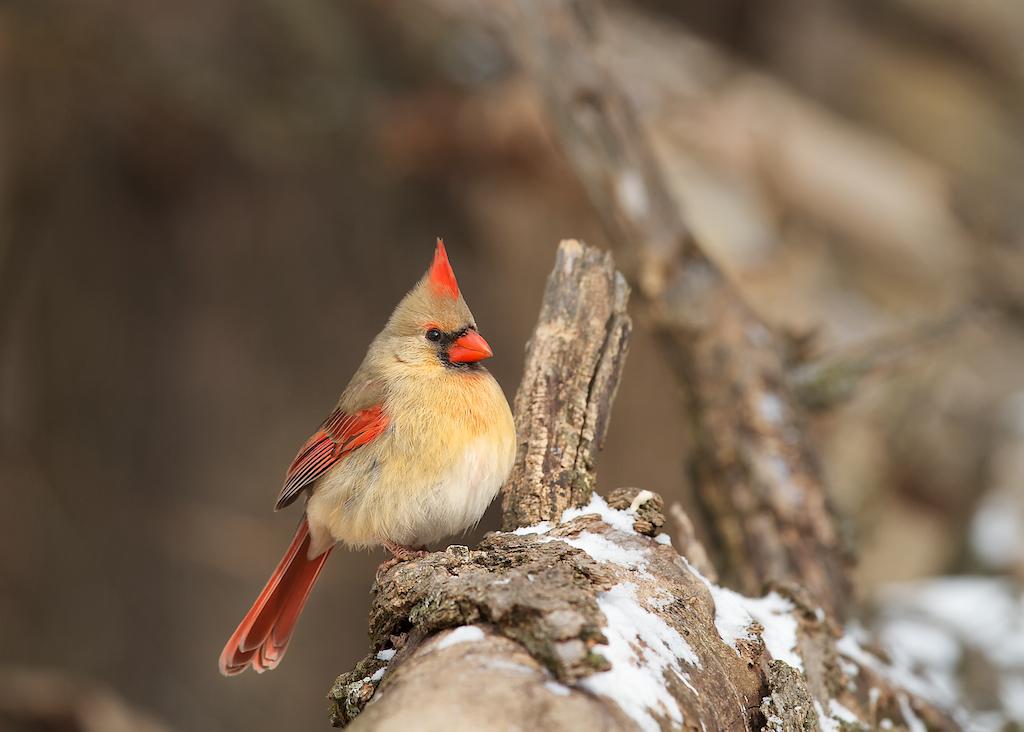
(825, 382)
(755, 473)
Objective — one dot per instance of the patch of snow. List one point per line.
(770, 407)
(927, 625)
(641, 648)
(662, 600)
(842, 713)
(663, 539)
(556, 688)
(378, 674)
(619, 520)
(830, 722)
(850, 668)
(641, 498)
(542, 528)
(777, 471)
(735, 613)
(997, 530)
(914, 723)
(632, 193)
(913, 644)
(849, 646)
(1011, 694)
(775, 613)
(386, 655)
(984, 611)
(462, 634)
(988, 722)
(597, 546)
(825, 721)
(604, 550)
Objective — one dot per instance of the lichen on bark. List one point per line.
(540, 594)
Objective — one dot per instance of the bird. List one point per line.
(417, 447)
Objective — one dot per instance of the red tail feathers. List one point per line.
(262, 637)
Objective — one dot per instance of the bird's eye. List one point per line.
(434, 335)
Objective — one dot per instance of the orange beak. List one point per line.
(470, 348)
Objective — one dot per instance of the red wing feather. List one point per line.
(339, 435)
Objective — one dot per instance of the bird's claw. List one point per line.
(401, 554)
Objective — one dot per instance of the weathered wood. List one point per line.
(754, 470)
(588, 625)
(547, 596)
(573, 365)
(489, 684)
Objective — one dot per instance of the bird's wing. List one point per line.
(340, 434)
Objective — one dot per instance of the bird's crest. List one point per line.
(442, 278)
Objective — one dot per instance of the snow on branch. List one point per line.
(590, 619)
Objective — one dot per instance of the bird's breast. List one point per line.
(430, 475)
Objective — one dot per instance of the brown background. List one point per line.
(207, 210)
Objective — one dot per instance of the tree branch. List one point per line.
(573, 366)
(823, 383)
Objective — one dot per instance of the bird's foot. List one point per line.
(401, 554)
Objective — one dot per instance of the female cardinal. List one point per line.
(419, 444)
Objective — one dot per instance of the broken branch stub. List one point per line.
(573, 364)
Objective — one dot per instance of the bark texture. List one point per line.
(573, 366)
(548, 636)
(592, 620)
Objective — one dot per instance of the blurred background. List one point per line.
(207, 210)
